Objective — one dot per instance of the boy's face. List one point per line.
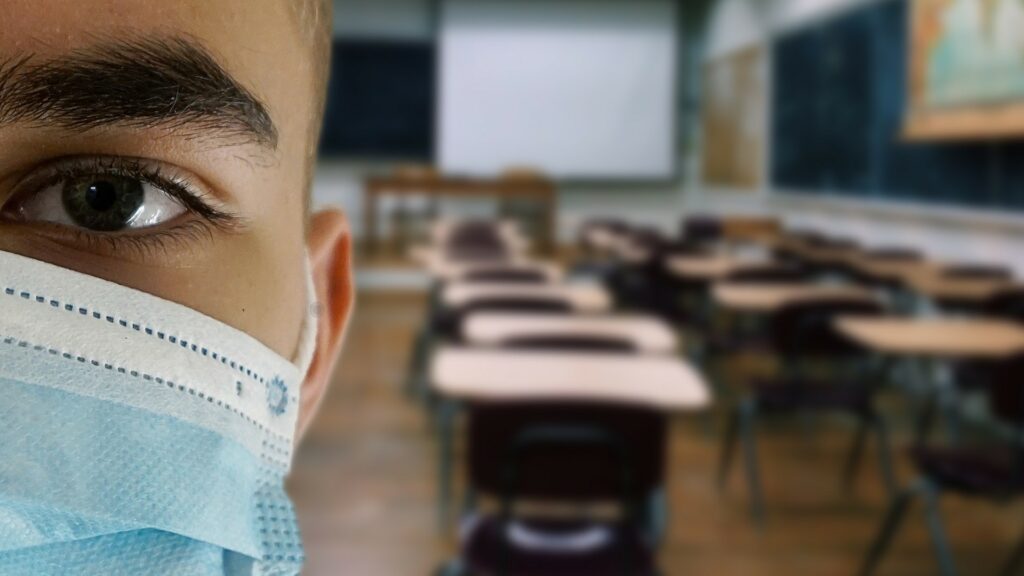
(111, 108)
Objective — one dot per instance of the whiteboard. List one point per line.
(580, 89)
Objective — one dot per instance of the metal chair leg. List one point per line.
(885, 461)
(947, 567)
(445, 422)
(728, 450)
(893, 518)
(748, 413)
(855, 455)
(1013, 564)
(416, 363)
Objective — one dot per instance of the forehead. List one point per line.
(257, 41)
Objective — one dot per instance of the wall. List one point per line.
(340, 183)
(710, 29)
(943, 233)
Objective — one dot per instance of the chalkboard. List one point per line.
(380, 101)
(838, 103)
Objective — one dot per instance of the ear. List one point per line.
(330, 253)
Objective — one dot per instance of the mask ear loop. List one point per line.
(310, 324)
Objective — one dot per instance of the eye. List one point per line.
(107, 195)
(101, 203)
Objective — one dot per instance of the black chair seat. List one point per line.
(730, 345)
(970, 471)
(490, 546)
(792, 395)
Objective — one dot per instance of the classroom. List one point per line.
(674, 287)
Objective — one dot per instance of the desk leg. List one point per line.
(550, 222)
(447, 411)
(370, 221)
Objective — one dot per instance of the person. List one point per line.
(170, 310)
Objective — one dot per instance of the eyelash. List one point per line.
(146, 240)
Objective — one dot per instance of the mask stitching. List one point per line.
(163, 381)
(204, 351)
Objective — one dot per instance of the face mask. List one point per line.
(138, 436)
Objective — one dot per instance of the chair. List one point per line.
(571, 343)
(804, 335)
(992, 472)
(506, 275)
(701, 229)
(1007, 304)
(475, 241)
(572, 454)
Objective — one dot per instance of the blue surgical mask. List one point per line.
(138, 436)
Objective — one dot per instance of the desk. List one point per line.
(467, 375)
(582, 297)
(935, 342)
(768, 298)
(649, 335)
(538, 189)
(715, 266)
(826, 254)
(944, 338)
(933, 285)
(891, 270)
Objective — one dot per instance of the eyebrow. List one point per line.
(170, 83)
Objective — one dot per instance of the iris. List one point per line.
(106, 204)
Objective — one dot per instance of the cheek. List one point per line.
(262, 285)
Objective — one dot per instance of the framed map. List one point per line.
(966, 69)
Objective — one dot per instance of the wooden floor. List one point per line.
(364, 486)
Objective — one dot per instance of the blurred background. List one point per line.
(767, 251)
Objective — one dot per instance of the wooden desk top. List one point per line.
(714, 266)
(650, 335)
(952, 338)
(932, 284)
(818, 254)
(767, 298)
(893, 270)
(659, 382)
(589, 298)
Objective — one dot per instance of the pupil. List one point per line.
(101, 196)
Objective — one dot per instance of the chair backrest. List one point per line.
(1007, 305)
(571, 343)
(977, 272)
(701, 229)
(808, 329)
(769, 275)
(568, 452)
(648, 238)
(894, 254)
(1006, 391)
(506, 275)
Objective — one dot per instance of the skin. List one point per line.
(249, 276)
